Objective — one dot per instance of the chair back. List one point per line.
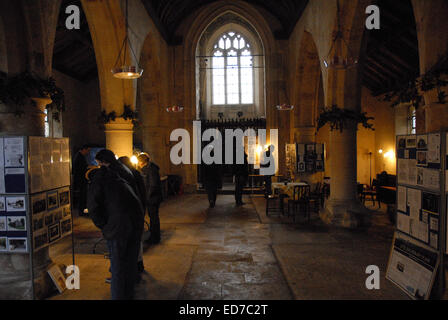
(301, 192)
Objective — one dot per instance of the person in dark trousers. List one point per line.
(241, 172)
(212, 180)
(79, 170)
(265, 163)
(115, 208)
(142, 192)
(154, 197)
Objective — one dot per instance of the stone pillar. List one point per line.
(436, 117)
(343, 207)
(119, 137)
(30, 123)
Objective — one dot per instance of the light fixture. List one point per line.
(134, 160)
(175, 108)
(380, 151)
(284, 106)
(335, 57)
(120, 69)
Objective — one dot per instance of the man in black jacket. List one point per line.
(115, 208)
(241, 172)
(154, 197)
(80, 166)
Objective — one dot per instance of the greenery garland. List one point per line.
(128, 114)
(17, 90)
(338, 118)
(411, 92)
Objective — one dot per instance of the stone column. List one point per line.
(119, 137)
(343, 207)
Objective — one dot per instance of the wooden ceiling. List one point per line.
(168, 14)
(391, 56)
(73, 52)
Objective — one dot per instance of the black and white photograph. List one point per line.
(57, 215)
(66, 212)
(411, 142)
(3, 244)
(2, 204)
(52, 200)
(402, 143)
(54, 232)
(421, 159)
(3, 224)
(17, 245)
(16, 223)
(49, 219)
(66, 226)
(38, 223)
(15, 204)
(64, 197)
(422, 142)
(39, 203)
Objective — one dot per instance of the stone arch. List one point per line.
(228, 22)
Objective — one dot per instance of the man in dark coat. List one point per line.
(241, 172)
(154, 196)
(79, 169)
(142, 193)
(212, 179)
(115, 208)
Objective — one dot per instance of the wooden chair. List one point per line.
(317, 197)
(300, 202)
(274, 203)
(372, 193)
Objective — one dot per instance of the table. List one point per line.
(288, 188)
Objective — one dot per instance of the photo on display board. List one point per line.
(3, 224)
(15, 204)
(411, 142)
(66, 212)
(319, 165)
(58, 216)
(66, 226)
(38, 223)
(16, 223)
(39, 204)
(54, 232)
(2, 204)
(17, 245)
(401, 143)
(421, 159)
(49, 219)
(58, 278)
(64, 197)
(422, 142)
(52, 200)
(3, 244)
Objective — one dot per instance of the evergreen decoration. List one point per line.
(412, 92)
(128, 114)
(339, 118)
(19, 89)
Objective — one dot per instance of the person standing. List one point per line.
(154, 197)
(115, 208)
(212, 180)
(241, 172)
(142, 192)
(79, 170)
(267, 164)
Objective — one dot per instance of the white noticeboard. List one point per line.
(412, 267)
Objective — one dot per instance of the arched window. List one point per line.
(232, 71)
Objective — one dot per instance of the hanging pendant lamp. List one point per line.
(121, 70)
(335, 58)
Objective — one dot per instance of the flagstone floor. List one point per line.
(235, 253)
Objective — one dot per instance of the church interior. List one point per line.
(347, 97)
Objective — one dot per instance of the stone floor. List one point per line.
(236, 253)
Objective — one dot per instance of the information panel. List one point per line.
(412, 267)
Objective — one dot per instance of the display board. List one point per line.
(419, 187)
(34, 193)
(412, 267)
(420, 213)
(310, 158)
